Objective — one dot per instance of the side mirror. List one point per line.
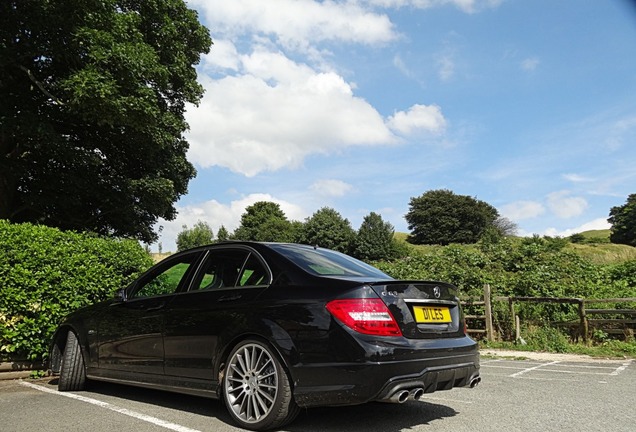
(120, 296)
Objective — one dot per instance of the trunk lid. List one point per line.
(423, 309)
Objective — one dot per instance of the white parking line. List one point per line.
(139, 416)
(622, 368)
(518, 374)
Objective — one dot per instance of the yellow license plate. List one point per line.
(432, 314)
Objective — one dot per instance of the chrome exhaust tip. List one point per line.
(474, 382)
(400, 396)
(416, 393)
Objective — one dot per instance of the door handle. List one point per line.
(230, 298)
(156, 307)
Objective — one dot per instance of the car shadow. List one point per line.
(374, 416)
(370, 417)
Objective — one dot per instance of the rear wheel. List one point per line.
(72, 371)
(256, 388)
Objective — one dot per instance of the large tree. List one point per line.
(623, 220)
(442, 217)
(374, 240)
(200, 234)
(327, 228)
(264, 221)
(92, 106)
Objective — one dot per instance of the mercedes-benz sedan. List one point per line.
(270, 328)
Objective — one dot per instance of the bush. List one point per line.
(46, 273)
(547, 339)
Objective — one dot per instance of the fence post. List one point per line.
(583, 327)
(488, 312)
(513, 316)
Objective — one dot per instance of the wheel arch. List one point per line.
(273, 335)
(58, 343)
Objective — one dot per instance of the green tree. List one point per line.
(200, 234)
(623, 220)
(92, 114)
(264, 221)
(222, 234)
(327, 228)
(374, 240)
(442, 217)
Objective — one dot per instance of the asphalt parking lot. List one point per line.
(516, 394)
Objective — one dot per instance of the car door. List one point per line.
(131, 331)
(219, 298)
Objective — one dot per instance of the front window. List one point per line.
(167, 278)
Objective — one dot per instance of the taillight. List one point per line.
(368, 316)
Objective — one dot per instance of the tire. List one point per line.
(256, 388)
(72, 370)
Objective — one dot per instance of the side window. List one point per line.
(253, 273)
(230, 268)
(168, 278)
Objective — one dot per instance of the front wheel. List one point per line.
(72, 371)
(256, 388)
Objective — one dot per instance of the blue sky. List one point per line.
(361, 105)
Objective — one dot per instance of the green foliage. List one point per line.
(92, 114)
(441, 217)
(328, 229)
(200, 234)
(374, 240)
(623, 220)
(547, 339)
(46, 273)
(264, 221)
(222, 234)
(530, 267)
(591, 237)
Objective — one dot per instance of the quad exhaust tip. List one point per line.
(402, 396)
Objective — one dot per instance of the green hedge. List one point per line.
(532, 267)
(46, 273)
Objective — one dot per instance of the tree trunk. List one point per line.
(7, 180)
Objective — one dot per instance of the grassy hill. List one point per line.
(594, 247)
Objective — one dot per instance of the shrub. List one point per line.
(46, 273)
(547, 339)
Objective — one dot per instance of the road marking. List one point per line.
(622, 368)
(515, 375)
(134, 414)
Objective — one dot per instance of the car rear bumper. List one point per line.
(389, 380)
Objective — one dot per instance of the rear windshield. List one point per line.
(326, 262)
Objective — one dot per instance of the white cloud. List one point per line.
(620, 131)
(522, 210)
(402, 67)
(419, 118)
(217, 214)
(530, 64)
(596, 224)
(445, 68)
(297, 23)
(468, 6)
(576, 178)
(276, 113)
(329, 187)
(565, 206)
(223, 55)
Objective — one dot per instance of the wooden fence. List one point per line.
(610, 320)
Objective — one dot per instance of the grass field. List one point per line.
(595, 248)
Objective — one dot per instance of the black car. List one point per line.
(271, 328)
